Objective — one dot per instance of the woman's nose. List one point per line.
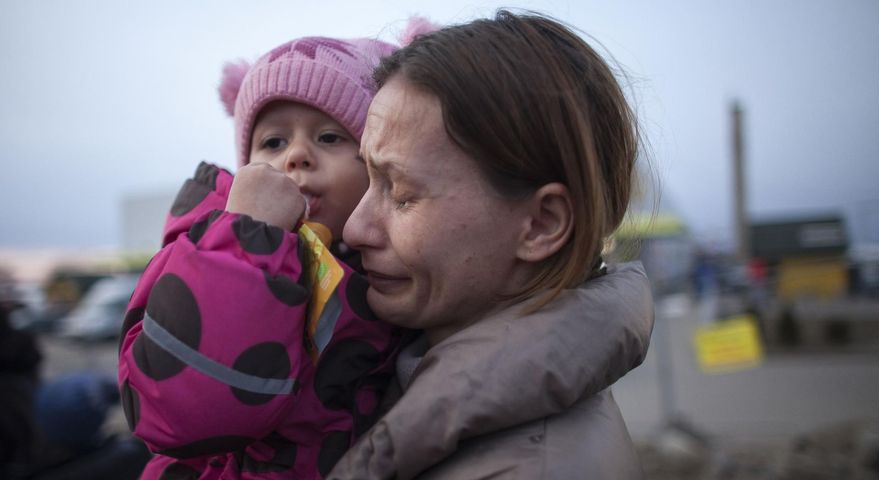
(362, 230)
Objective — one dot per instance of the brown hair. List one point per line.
(532, 103)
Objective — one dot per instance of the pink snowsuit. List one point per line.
(215, 367)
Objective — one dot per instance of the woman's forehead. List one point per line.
(404, 121)
(399, 104)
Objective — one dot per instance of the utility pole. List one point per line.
(743, 248)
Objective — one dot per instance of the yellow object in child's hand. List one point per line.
(326, 273)
(321, 230)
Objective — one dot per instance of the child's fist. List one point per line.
(267, 195)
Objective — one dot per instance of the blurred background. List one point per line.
(758, 221)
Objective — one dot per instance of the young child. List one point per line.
(247, 350)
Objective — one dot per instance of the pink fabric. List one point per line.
(332, 75)
(228, 288)
(416, 27)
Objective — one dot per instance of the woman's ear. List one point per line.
(549, 224)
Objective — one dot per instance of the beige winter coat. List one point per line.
(519, 397)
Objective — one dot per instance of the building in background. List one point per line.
(818, 285)
(805, 257)
(143, 216)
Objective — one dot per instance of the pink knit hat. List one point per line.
(332, 75)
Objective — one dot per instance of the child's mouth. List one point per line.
(313, 204)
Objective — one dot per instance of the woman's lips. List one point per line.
(385, 283)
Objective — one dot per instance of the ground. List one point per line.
(807, 415)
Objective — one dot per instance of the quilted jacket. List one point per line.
(518, 396)
(220, 371)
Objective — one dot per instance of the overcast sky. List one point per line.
(105, 98)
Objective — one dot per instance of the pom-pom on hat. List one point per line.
(416, 27)
(332, 75)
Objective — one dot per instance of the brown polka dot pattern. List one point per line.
(130, 405)
(198, 229)
(131, 318)
(333, 446)
(374, 385)
(257, 237)
(195, 189)
(265, 360)
(173, 306)
(209, 446)
(179, 471)
(355, 293)
(340, 368)
(283, 459)
(286, 290)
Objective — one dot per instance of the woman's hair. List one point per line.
(532, 103)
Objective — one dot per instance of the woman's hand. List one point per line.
(267, 195)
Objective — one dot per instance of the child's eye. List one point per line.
(329, 138)
(274, 143)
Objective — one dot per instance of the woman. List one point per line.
(500, 157)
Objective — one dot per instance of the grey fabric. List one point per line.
(209, 367)
(326, 323)
(587, 441)
(520, 396)
(409, 359)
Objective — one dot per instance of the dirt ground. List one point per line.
(844, 451)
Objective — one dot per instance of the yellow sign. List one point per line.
(728, 345)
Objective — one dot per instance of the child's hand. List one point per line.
(267, 195)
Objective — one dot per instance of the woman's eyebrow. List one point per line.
(392, 170)
(379, 164)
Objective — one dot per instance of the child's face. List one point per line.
(318, 154)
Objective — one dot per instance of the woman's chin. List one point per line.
(389, 307)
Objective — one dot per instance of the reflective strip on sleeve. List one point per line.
(179, 350)
(326, 324)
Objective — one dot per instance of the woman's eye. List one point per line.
(402, 203)
(329, 138)
(274, 143)
(400, 196)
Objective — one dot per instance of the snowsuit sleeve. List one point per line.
(212, 345)
(207, 190)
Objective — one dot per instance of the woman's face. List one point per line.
(438, 242)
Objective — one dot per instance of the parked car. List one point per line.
(32, 314)
(100, 313)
